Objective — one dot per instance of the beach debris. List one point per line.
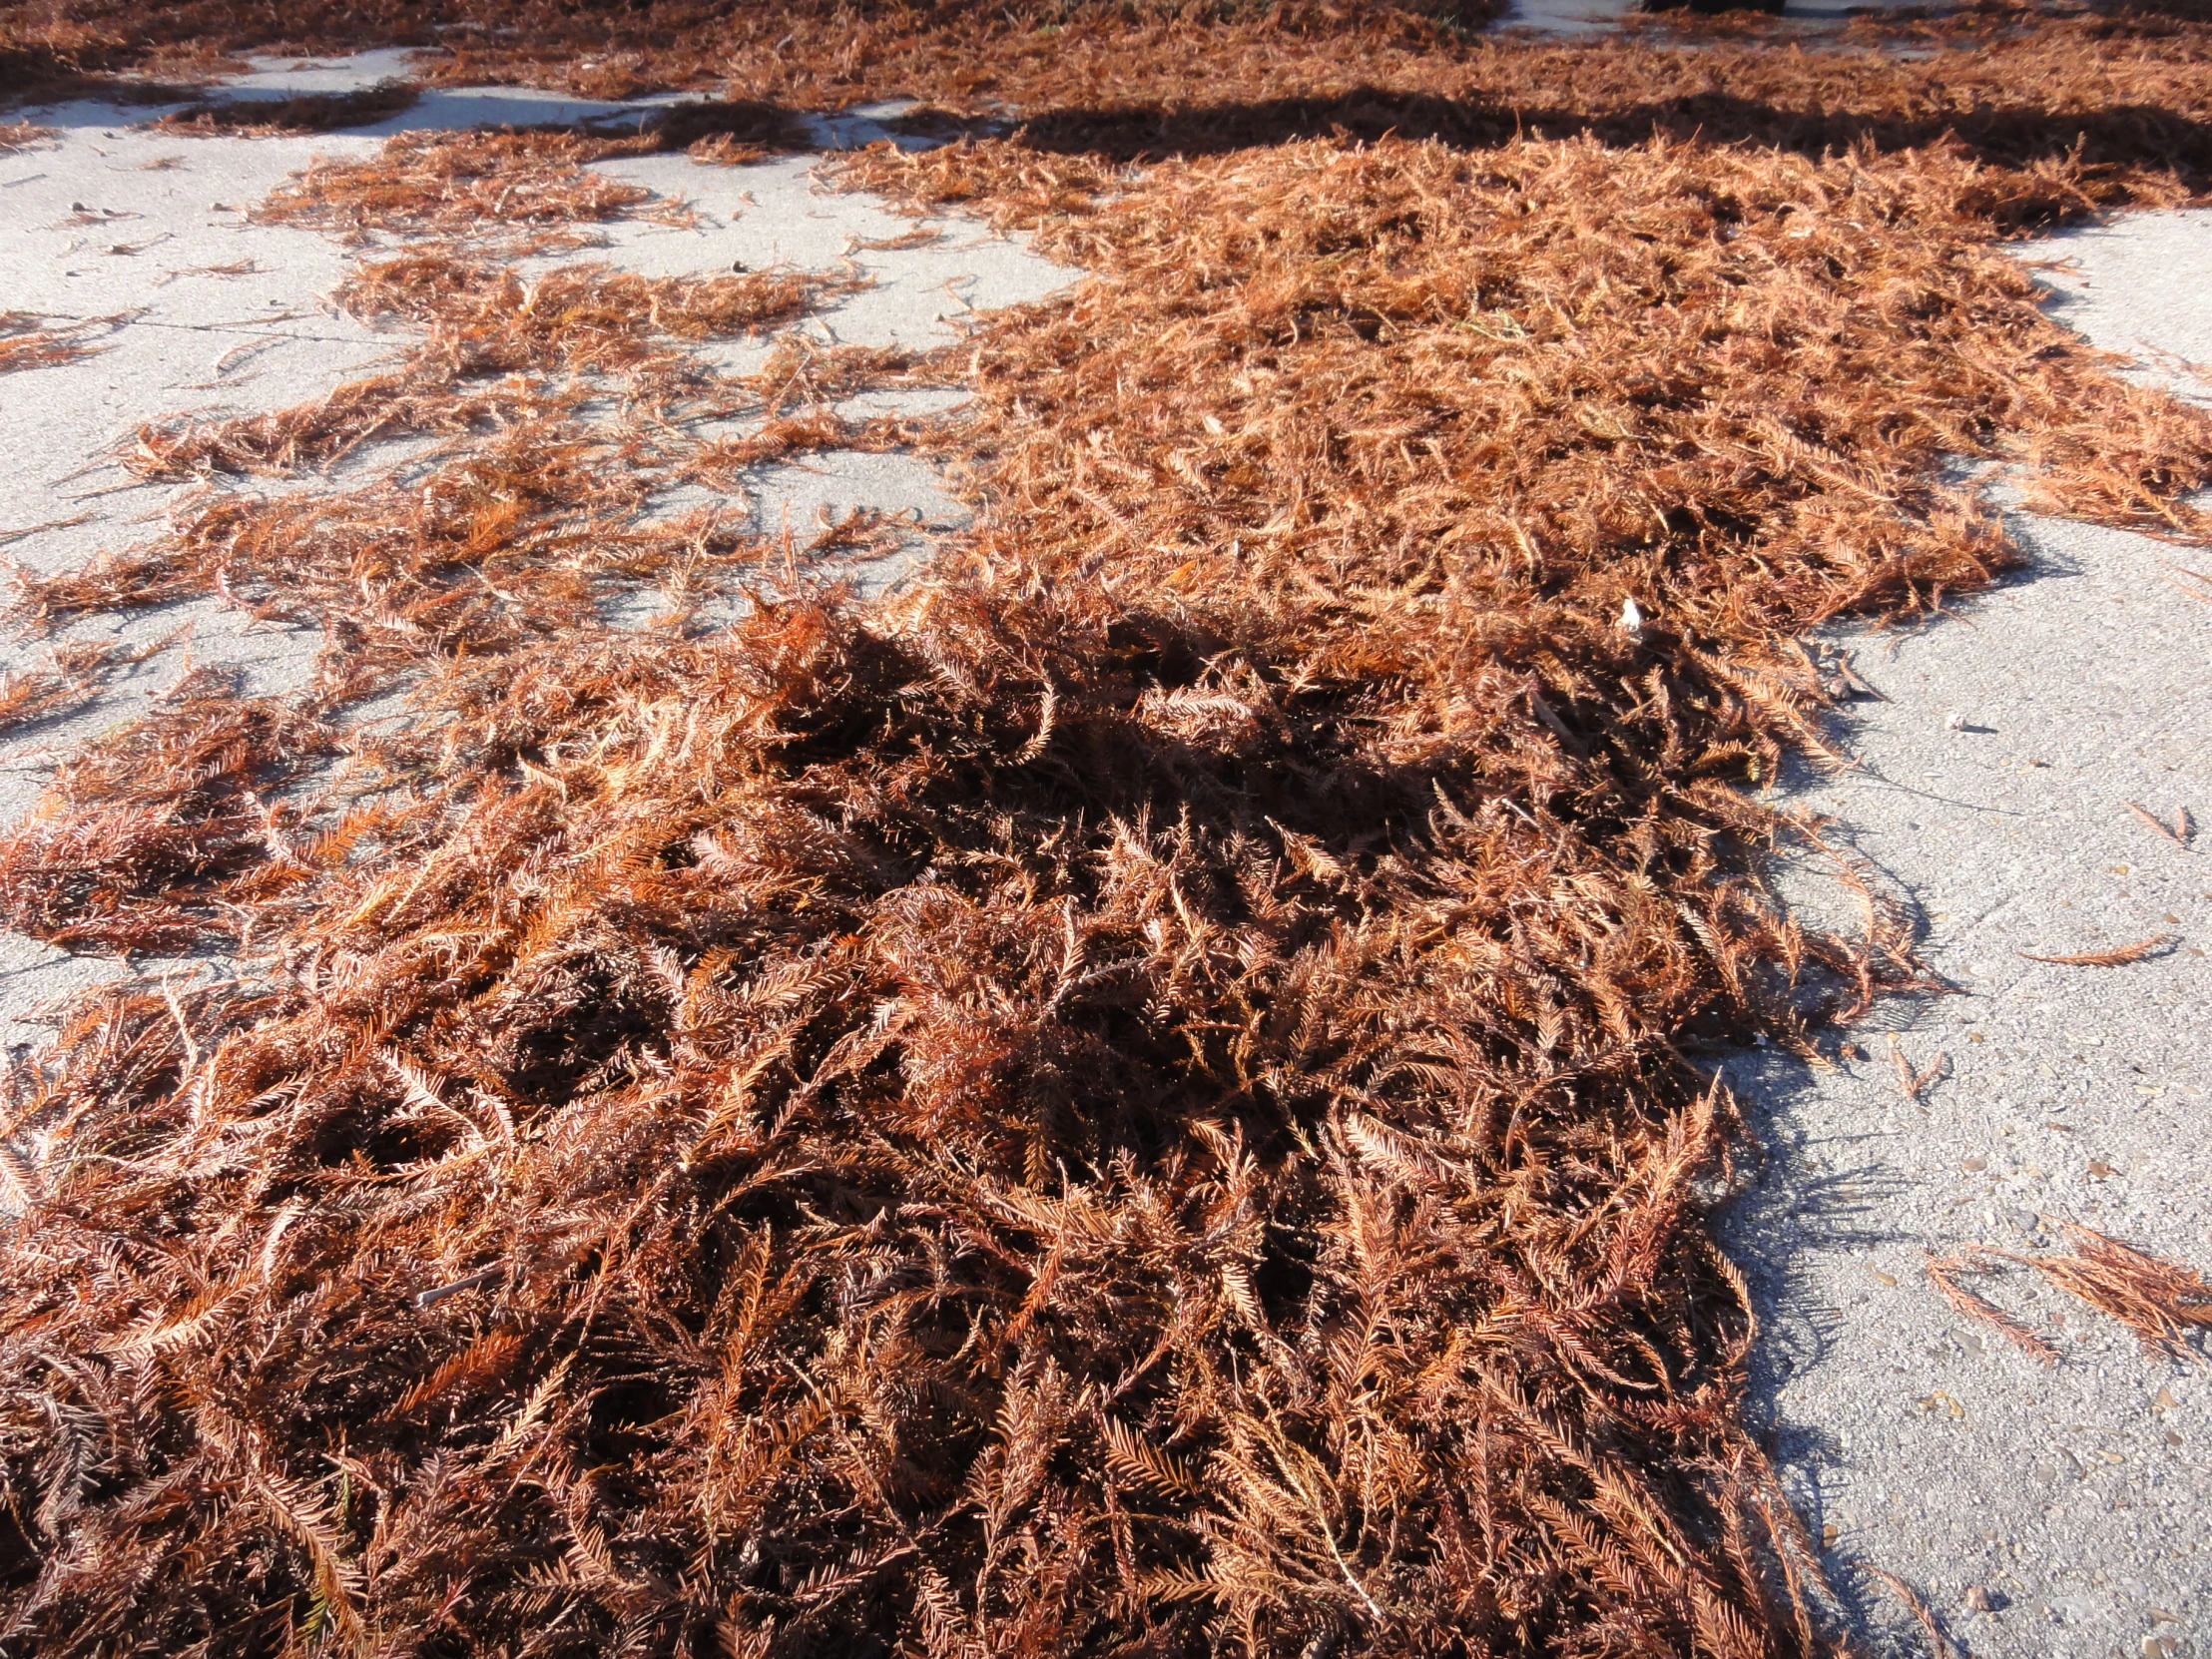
(25, 340)
(469, 1282)
(2183, 831)
(2118, 955)
(2161, 1302)
(1913, 1084)
(1940, 1645)
(1944, 1272)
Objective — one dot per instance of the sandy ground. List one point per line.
(2077, 1500)
(2073, 1503)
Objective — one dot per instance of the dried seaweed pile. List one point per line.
(455, 185)
(37, 693)
(26, 344)
(1152, 1095)
(502, 350)
(815, 53)
(503, 483)
(2161, 1302)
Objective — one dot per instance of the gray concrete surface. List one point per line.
(112, 219)
(2140, 286)
(2073, 1503)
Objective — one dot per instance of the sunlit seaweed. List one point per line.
(25, 341)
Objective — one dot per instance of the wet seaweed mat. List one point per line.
(1156, 1093)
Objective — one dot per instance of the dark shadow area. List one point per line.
(301, 113)
(31, 75)
(2123, 135)
(1809, 1195)
(2109, 139)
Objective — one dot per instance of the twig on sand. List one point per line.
(437, 1294)
(1913, 1084)
(1937, 1640)
(2181, 835)
(2118, 957)
(1943, 1272)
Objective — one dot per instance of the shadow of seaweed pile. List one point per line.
(1140, 1097)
